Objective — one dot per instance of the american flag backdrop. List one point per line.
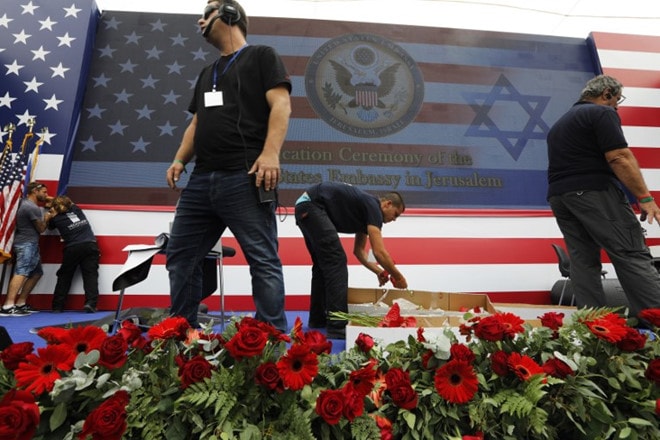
(45, 50)
(488, 100)
(635, 61)
(458, 118)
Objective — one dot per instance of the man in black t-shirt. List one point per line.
(80, 250)
(588, 160)
(241, 107)
(322, 212)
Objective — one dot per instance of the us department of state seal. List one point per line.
(364, 85)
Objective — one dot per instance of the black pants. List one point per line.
(83, 255)
(329, 264)
(595, 220)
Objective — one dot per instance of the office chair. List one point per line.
(565, 270)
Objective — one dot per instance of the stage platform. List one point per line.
(22, 328)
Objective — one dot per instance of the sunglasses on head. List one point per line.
(209, 10)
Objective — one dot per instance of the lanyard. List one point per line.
(231, 61)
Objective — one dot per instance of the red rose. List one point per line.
(268, 375)
(194, 370)
(657, 407)
(113, 352)
(130, 332)
(15, 354)
(489, 329)
(552, 320)
(399, 387)
(500, 363)
(557, 368)
(20, 415)
(651, 315)
(632, 341)
(364, 342)
(317, 342)
(653, 371)
(247, 342)
(330, 406)
(353, 405)
(108, 420)
(461, 352)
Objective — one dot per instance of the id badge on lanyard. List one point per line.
(213, 99)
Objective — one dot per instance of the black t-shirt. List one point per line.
(73, 226)
(577, 144)
(219, 143)
(350, 209)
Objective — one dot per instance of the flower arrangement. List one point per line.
(591, 377)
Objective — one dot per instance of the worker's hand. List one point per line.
(399, 283)
(650, 211)
(383, 278)
(174, 173)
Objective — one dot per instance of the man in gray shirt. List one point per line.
(30, 223)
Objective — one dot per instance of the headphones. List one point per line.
(229, 13)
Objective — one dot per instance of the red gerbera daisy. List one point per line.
(362, 381)
(83, 339)
(512, 323)
(524, 366)
(39, 372)
(175, 327)
(456, 381)
(610, 327)
(298, 367)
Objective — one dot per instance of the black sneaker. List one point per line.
(27, 308)
(12, 311)
(89, 308)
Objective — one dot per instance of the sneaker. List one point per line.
(27, 308)
(12, 311)
(89, 308)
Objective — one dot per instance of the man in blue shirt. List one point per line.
(322, 212)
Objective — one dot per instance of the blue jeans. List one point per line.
(28, 259)
(211, 203)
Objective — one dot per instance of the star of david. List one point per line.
(513, 141)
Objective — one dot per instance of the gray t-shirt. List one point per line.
(27, 213)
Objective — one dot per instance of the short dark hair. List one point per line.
(32, 186)
(395, 198)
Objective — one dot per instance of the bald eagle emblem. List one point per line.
(364, 85)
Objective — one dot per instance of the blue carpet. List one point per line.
(23, 328)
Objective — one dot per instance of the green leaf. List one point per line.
(410, 418)
(58, 416)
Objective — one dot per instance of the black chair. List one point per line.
(565, 270)
(137, 269)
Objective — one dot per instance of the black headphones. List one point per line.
(229, 13)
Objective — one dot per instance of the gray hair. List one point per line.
(600, 84)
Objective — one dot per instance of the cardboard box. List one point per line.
(447, 301)
(449, 308)
(531, 312)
